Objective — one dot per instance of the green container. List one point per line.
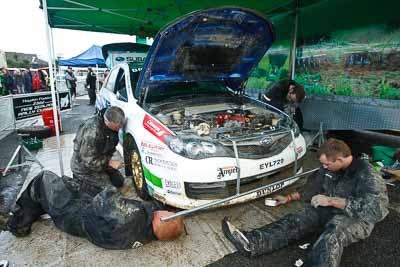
(33, 143)
(384, 154)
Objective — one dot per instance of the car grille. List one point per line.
(220, 190)
(258, 151)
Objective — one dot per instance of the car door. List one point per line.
(123, 97)
(119, 96)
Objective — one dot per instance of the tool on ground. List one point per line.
(271, 202)
(220, 201)
(299, 263)
(304, 246)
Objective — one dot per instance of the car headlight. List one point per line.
(197, 149)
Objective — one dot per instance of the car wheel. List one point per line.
(134, 168)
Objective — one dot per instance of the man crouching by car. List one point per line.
(94, 145)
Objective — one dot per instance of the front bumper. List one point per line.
(195, 199)
(219, 190)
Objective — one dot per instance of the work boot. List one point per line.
(237, 238)
(3, 221)
(15, 226)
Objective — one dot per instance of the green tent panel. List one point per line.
(146, 18)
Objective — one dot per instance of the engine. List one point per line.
(219, 120)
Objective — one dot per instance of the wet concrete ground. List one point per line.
(204, 243)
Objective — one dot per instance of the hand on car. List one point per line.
(116, 164)
(320, 200)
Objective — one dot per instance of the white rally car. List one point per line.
(192, 135)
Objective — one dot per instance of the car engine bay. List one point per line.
(217, 120)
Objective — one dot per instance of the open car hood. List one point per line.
(218, 44)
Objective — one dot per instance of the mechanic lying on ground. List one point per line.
(347, 198)
(107, 219)
(94, 146)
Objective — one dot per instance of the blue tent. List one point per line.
(90, 58)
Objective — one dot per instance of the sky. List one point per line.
(23, 31)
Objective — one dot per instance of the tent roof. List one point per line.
(90, 58)
(146, 18)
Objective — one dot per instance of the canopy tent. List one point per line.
(90, 58)
(293, 19)
(146, 18)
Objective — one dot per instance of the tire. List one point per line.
(134, 168)
(35, 131)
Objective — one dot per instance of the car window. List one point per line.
(111, 80)
(120, 86)
(134, 79)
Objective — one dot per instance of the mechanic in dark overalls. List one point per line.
(94, 146)
(285, 95)
(107, 219)
(346, 197)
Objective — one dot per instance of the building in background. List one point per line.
(21, 60)
(3, 62)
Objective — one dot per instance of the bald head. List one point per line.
(166, 230)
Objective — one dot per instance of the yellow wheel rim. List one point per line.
(137, 170)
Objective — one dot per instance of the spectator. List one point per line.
(2, 81)
(19, 81)
(9, 82)
(106, 72)
(91, 85)
(28, 81)
(70, 79)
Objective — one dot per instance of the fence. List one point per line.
(18, 110)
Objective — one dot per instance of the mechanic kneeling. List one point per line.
(94, 146)
(347, 198)
(107, 219)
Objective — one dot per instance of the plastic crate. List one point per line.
(384, 154)
(33, 143)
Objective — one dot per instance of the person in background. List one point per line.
(70, 80)
(91, 85)
(2, 81)
(19, 82)
(346, 198)
(9, 82)
(28, 82)
(105, 74)
(285, 95)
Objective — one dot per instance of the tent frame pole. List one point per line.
(294, 41)
(53, 92)
(53, 61)
(97, 78)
